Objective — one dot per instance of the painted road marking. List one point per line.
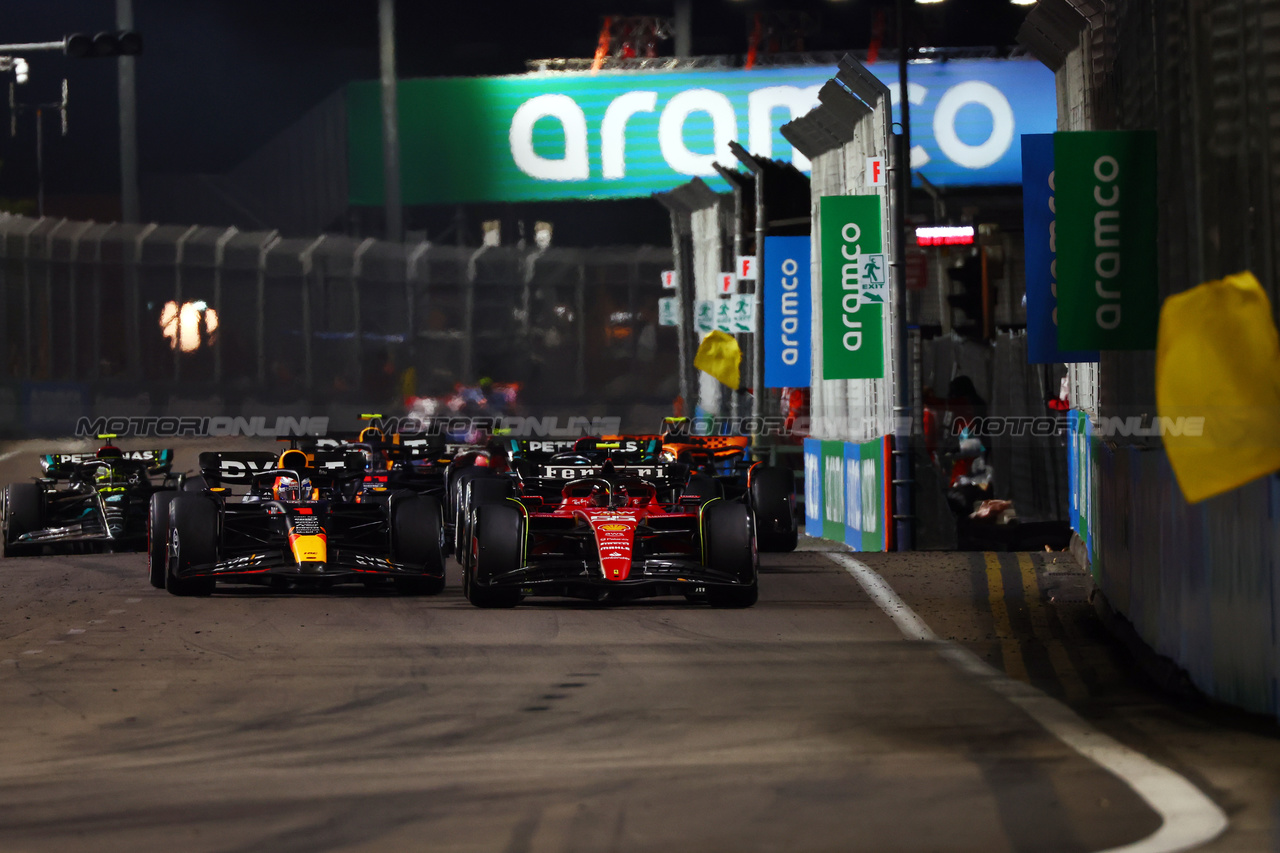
(76, 631)
(132, 600)
(1188, 817)
(1072, 685)
(33, 651)
(1010, 648)
(111, 612)
(9, 454)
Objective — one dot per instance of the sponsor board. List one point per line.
(1040, 230)
(813, 487)
(1105, 202)
(847, 493)
(628, 134)
(854, 291)
(787, 311)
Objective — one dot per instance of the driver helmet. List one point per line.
(287, 488)
(599, 496)
(103, 473)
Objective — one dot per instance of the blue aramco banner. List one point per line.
(787, 333)
(626, 134)
(1038, 217)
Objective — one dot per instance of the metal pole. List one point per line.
(684, 27)
(39, 162)
(903, 486)
(682, 312)
(757, 336)
(390, 120)
(126, 73)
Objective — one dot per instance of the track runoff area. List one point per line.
(829, 716)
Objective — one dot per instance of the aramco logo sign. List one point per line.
(620, 135)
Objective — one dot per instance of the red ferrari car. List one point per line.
(612, 539)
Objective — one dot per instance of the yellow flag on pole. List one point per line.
(1218, 359)
(720, 356)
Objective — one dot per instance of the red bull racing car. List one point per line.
(296, 525)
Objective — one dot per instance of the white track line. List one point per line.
(1189, 817)
(9, 454)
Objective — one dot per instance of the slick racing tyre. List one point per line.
(479, 492)
(158, 537)
(458, 506)
(194, 484)
(773, 498)
(497, 545)
(731, 548)
(23, 513)
(416, 541)
(193, 541)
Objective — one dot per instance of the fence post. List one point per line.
(580, 306)
(133, 330)
(264, 248)
(50, 349)
(73, 316)
(219, 253)
(178, 248)
(96, 370)
(26, 297)
(410, 298)
(305, 258)
(357, 270)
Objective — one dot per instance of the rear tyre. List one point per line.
(773, 498)
(416, 541)
(478, 492)
(458, 506)
(194, 484)
(731, 548)
(158, 537)
(23, 513)
(193, 541)
(498, 549)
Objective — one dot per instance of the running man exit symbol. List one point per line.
(873, 278)
(872, 271)
(875, 171)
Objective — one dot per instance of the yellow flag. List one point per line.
(1218, 358)
(721, 357)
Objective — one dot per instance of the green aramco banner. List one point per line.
(1105, 188)
(855, 276)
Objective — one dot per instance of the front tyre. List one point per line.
(731, 548)
(497, 547)
(417, 541)
(158, 537)
(193, 541)
(23, 513)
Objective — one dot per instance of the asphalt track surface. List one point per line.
(360, 721)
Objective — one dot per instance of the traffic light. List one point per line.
(120, 43)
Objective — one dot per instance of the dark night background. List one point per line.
(218, 78)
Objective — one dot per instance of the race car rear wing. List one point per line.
(60, 466)
(234, 468)
(238, 468)
(537, 449)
